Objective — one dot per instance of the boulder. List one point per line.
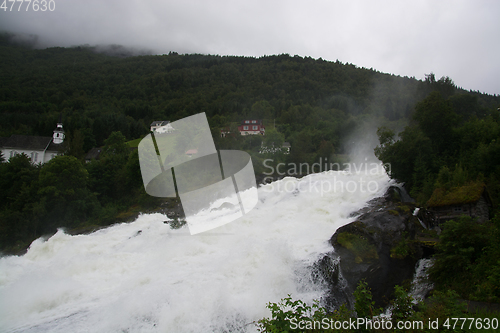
(380, 247)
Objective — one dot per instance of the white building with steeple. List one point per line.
(40, 149)
(58, 136)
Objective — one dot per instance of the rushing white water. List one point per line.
(146, 277)
(420, 285)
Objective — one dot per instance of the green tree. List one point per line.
(273, 138)
(437, 120)
(402, 305)
(402, 155)
(444, 85)
(488, 266)
(18, 197)
(108, 174)
(302, 150)
(364, 305)
(115, 145)
(133, 174)
(466, 106)
(64, 194)
(287, 314)
(76, 145)
(262, 110)
(461, 245)
(385, 136)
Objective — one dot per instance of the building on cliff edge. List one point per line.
(472, 200)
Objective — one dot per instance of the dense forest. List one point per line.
(448, 147)
(99, 94)
(449, 143)
(109, 100)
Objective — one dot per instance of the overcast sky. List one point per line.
(459, 39)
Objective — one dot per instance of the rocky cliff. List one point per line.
(382, 246)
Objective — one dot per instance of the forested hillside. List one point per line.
(106, 100)
(97, 94)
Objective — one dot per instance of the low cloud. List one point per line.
(449, 38)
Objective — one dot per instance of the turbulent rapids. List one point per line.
(146, 277)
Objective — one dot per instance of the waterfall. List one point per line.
(420, 285)
(405, 197)
(147, 277)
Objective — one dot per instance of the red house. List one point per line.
(249, 127)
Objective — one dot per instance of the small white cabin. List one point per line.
(161, 126)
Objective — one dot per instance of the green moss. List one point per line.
(359, 246)
(393, 212)
(457, 195)
(428, 243)
(404, 208)
(402, 249)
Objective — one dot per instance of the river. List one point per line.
(146, 277)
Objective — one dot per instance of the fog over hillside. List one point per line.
(449, 38)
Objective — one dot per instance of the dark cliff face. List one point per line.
(380, 246)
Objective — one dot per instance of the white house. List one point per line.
(161, 126)
(40, 149)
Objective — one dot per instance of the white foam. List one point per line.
(146, 277)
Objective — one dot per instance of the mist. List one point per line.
(449, 38)
(360, 144)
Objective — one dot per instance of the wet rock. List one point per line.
(327, 271)
(380, 246)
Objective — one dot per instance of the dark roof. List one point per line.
(55, 146)
(160, 123)
(3, 140)
(456, 196)
(27, 142)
